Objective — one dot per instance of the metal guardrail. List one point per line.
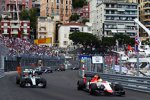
(3, 52)
(141, 84)
(2, 73)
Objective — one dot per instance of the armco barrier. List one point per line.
(130, 82)
(2, 73)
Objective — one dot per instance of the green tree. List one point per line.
(33, 17)
(74, 17)
(146, 42)
(85, 39)
(24, 15)
(108, 41)
(78, 3)
(124, 39)
(85, 20)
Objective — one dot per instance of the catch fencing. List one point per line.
(107, 73)
(3, 52)
(32, 61)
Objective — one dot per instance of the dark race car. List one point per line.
(31, 78)
(75, 68)
(101, 87)
(46, 70)
(60, 68)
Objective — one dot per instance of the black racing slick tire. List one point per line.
(80, 85)
(119, 90)
(41, 83)
(25, 83)
(118, 87)
(17, 79)
(92, 88)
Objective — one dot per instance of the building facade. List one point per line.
(11, 25)
(46, 30)
(58, 10)
(36, 4)
(145, 15)
(68, 28)
(2, 6)
(115, 17)
(15, 28)
(83, 12)
(133, 1)
(93, 14)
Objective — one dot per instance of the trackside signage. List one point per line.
(97, 59)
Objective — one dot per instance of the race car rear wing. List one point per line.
(89, 75)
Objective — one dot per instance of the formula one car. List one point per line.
(46, 70)
(100, 88)
(60, 68)
(30, 78)
(75, 68)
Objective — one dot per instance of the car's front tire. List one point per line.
(92, 88)
(41, 83)
(17, 79)
(25, 83)
(80, 85)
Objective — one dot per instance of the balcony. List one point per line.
(146, 7)
(25, 33)
(5, 33)
(146, 1)
(147, 25)
(147, 13)
(146, 19)
(5, 26)
(25, 26)
(42, 30)
(15, 26)
(118, 20)
(14, 32)
(14, 21)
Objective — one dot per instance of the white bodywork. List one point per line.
(106, 84)
(33, 79)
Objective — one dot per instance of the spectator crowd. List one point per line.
(19, 46)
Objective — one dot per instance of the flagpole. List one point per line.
(137, 52)
(138, 67)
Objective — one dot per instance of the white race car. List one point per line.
(30, 78)
(100, 87)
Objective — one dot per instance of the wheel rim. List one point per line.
(27, 84)
(40, 84)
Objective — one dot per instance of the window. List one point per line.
(89, 28)
(57, 6)
(57, 1)
(65, 42)
(65, 35)
(74, 29)
(61, 1)
(57, 13)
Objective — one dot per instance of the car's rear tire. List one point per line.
(25, 83)
(92, 88)
(80, 85)
(118, 88)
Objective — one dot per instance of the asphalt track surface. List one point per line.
(60, 86)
